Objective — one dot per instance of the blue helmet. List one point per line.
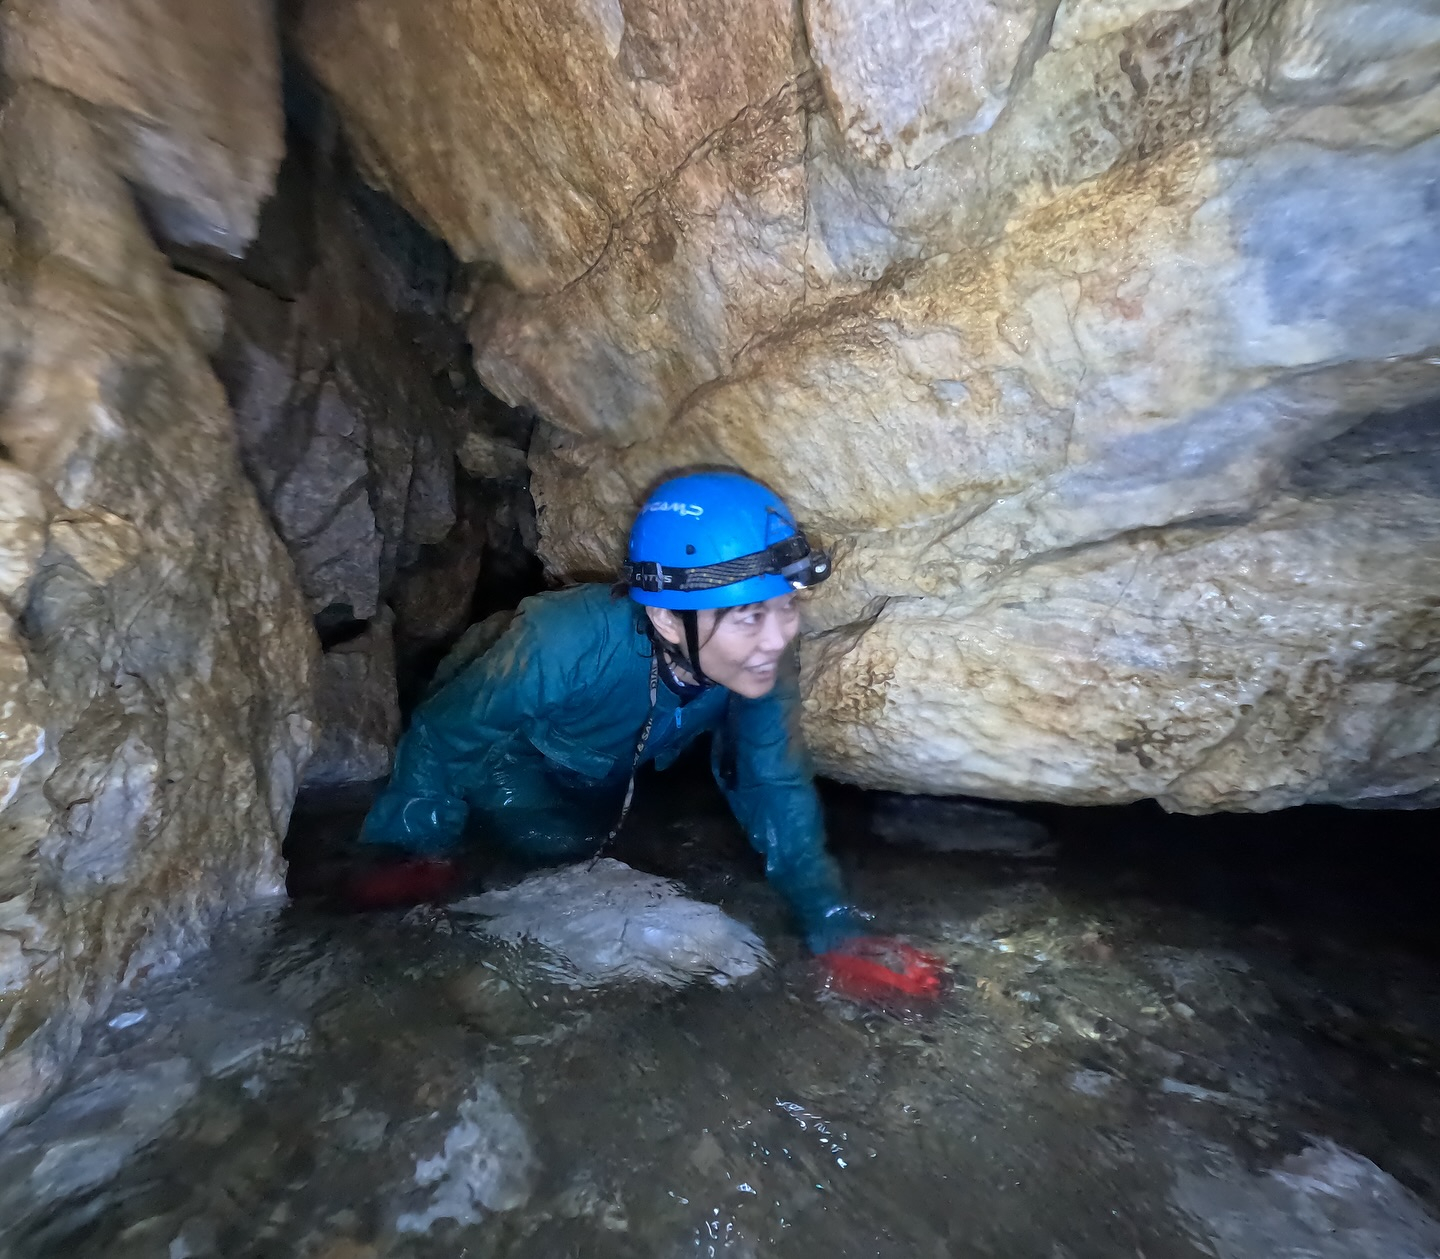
(717, 540)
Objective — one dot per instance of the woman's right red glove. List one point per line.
(885, 970)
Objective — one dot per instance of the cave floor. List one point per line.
(1118, 1069)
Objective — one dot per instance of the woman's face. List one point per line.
(740, 649)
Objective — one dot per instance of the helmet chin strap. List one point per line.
(691, 620)
(673, 656)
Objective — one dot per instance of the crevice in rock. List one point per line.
(396, 480)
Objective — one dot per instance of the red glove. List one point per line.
(883, 969)
(396, 883)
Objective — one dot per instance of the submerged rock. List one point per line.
(486, 1164)
(609, 923)
(85, 1139)
(492, 1004)
(1323, 1203)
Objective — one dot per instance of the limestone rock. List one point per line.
(315, 478)
(154, 652)
(1032, 311)
(1253, 664)
(84, 1140)
(203, 306)
(487, 1163)
(357, 708)
(1325, 1201)
(904, 80)
(483, 456)
(433, 597)
(187, 90)
(524, 132)
(338, 359)
(1359, 54)
(606, 923)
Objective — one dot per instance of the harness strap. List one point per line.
(635, 762)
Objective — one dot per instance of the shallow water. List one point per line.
(1111, 1073)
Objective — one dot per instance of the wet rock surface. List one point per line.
(1031, 310)
(353, 392)
(357, 708)
(607, 923)
(1116, 1067)
(154, 652)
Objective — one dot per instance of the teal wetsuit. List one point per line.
(537, 737)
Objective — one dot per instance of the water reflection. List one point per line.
(1108, 1075)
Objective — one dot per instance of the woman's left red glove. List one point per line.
(883, 969)
(410, 881)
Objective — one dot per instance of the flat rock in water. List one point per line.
(1322, 1203)
(940, 824)
(610, 923)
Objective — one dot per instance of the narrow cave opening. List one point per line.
(395, 479)
(1142, 933)
(1130, 504)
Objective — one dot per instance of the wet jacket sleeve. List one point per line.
(453, 736)
(759, 764)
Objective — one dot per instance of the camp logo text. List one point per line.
(680, 509)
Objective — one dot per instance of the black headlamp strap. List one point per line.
(791, 558)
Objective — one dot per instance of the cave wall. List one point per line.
(155, 653)
(396, 481)
(1099, 339)
(1035, 311)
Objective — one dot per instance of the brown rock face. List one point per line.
(578, 108)
(187, 92)
(1040, 313)
(154, 651)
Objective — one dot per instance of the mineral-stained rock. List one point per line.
(1032, 310)
(904, 80)
(154, 652)
(525, 132)
(187, 91)
(357, 708)
(1252, 664)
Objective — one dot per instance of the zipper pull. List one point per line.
(679, 717)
